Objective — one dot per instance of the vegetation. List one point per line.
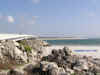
(74, 74)
(22, 42)
(27, 48)
(25, 45)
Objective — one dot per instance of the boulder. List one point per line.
(47, 65)
(3, 73)
(67, 51)
(14, 72)
(61, 71)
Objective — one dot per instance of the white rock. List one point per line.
(16, 43)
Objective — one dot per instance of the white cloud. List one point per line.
(10, 19)
(24, 20)
(36, 1)
(4, 18)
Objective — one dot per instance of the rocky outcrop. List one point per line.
(72, 64)
(58, 62)
(20, 52)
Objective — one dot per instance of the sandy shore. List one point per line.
(93, 51)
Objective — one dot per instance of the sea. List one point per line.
(90, 41)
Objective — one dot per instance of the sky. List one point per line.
(70, 17)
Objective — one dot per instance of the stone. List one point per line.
(14, 72)
(16, 43)
(55, 52)
(70, 71)
(3, 73)
(13, 50)
(61, 71)
(29, 68)
(59, 62)
(32, 70)
(47, 65)
(67, 51)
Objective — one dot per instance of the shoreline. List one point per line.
(83, 50)
(61, 38)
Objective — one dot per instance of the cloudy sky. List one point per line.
(72, 17)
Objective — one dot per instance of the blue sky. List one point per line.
(71, 17)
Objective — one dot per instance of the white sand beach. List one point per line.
(93, 51)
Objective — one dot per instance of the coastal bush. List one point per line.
(74, 74)
(22, 42)
(25, 45)
(27, 48)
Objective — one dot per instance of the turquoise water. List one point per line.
(75, 42)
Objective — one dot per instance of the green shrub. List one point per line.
(23, 42)
(25, 45)
(74, 74)
(27, 48)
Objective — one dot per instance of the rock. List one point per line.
(61, 71)
(62, 62)
(19, 55)
(69, 63)
(55, 52)
(3, 73)
(44, 43)
(81, 65)
(59, 62)
(16, 44)
(61, 52)
(14, 50)
(52, 68)
(47, 65)
(84, 64)
(32, 70)
(70, 71)
(29, 68)
(67, 51)
(14, 72)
